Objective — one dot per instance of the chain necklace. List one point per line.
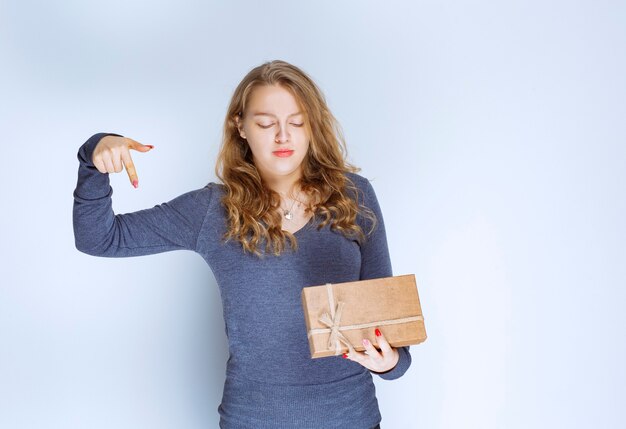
(288, 213)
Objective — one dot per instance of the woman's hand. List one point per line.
(112, 153)
(372, 359)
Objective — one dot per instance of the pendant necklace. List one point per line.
(288, 213)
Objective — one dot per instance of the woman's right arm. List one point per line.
(98, 231)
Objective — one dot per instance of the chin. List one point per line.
(286, 173)
(283, 169)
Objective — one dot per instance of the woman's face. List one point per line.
(274, 128)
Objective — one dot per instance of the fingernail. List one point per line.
(345, 356)
(366, 342)
(378, 334)
(150, 146)
(135, 183)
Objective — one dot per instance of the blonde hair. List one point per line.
(251, 206)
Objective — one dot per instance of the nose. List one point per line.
(282, 136)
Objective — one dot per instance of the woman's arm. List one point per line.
(376, 263)
(99, 231)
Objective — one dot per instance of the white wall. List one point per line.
(494, 135)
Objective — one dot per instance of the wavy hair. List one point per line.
(252, 207)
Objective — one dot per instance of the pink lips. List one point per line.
(283, 153)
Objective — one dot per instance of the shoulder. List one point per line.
(214, 187)
(365, 198)
(200, 199)
(357, 179)
(213, 192)
(205, 193)
(364, 188)
(208, 190)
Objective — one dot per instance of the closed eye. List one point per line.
(271, 125)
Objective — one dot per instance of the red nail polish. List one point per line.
(378, 334)
(345, 356)
(150, 146)
(135, 183)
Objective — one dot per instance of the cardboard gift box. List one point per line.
(342, 314)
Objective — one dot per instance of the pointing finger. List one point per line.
(130, 168)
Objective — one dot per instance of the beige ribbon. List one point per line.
(334, 319)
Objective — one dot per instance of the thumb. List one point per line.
(133, 144)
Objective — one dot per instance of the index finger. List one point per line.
(130, 168)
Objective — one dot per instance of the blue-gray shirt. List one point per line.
(271, 379)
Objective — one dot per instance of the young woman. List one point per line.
(290, 213)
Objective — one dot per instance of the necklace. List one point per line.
(288, 213)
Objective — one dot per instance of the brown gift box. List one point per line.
(337, 313)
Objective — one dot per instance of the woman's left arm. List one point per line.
(389, 363)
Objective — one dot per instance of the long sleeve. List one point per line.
(376, 263)
(98, 231)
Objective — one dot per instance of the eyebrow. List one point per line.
(270, 114)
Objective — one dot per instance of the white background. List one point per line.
(494, 136)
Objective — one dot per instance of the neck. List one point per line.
(286, 186)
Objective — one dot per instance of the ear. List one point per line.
(240, 126)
